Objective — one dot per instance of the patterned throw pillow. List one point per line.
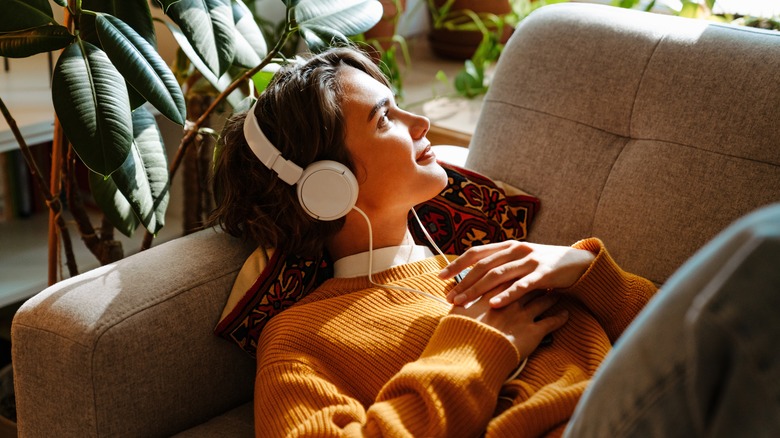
(472, 210)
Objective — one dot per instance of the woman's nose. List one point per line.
(418, 126)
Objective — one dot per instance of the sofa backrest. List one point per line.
(651, 132)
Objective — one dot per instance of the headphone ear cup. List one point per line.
(327, 190)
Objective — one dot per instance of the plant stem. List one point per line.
(193, 130)
(53, 202)
(55, 179)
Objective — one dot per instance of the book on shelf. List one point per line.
(20, 196)
(5, 189)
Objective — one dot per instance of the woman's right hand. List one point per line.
(519, 321)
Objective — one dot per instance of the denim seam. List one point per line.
(670, 379)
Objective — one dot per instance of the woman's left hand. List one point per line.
(525, 266)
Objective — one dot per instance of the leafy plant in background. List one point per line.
(109, 67)
(688, 8)
(704, 9)
(472, 80)
(387, 46)
(388, 60)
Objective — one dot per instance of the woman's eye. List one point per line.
(385, 121)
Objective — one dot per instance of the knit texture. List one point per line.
(353, 359)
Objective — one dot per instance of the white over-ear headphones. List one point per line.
(327, 190)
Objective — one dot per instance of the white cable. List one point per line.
(371, 264)
(392, 286)
(428, 236)
(517, 371)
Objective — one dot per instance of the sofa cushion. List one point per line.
(650, 132)
(472, 210)
(235, 423)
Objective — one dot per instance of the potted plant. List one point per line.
(386, 46)
(459, 26)
(109, 67)
(481, 35)
(384, 32)
(706, 10)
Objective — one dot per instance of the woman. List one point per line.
(379, 350)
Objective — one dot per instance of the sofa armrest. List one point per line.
(128, 349)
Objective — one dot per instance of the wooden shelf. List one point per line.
(25, 90)
(24, 253)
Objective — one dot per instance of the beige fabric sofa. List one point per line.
(651, 132)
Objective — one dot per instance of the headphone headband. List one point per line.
(326, 189)
(288, 171)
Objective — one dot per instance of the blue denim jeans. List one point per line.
(703, 358)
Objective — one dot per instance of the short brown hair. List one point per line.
(300, 113)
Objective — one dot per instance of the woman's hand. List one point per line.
(520, 266)
(519, 321)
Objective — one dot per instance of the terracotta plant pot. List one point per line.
(385, 29)
(461, 44)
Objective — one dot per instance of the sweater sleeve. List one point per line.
(451, 390)
(613, 295)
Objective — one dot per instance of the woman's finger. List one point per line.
(478, 307)
(494, 268)
(486, 259)
(471, 256)
(553, 322)
(508, 271)
(530, 296)
(516, 290)
(542, 303)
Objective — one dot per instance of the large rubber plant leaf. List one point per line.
(143, 179)
(166, 4)
(208, 26)
(24, 14)
(250, 44)
(90, 99)
(142, 67)
(113, 204)
(63, 3)
(220, 83)
(325, 22)
(134, 13)
(37, 40)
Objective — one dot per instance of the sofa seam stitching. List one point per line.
(628, 138)
(107, 326)
(578, 122)
(641, 81)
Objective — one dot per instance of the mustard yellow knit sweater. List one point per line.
(352, 359)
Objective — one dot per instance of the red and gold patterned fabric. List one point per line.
(472, 210)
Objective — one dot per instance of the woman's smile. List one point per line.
(426, 155)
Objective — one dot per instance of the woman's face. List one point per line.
(394, 164)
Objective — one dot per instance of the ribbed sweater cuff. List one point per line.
(602, 277)
(462, 340)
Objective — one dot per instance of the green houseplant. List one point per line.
(476, 32)
(109, 67)
(705, 9)
(458, 27)
(386, 46)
